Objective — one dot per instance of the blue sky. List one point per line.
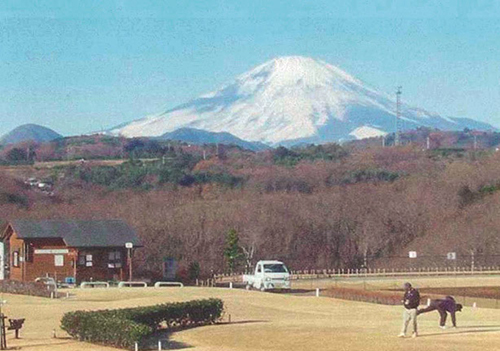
(81, 66)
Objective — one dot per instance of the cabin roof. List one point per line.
(78, 233)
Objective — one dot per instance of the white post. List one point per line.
(136, 347)
(428, 302)
(474, 305)
(230, 285)
(159, 345)
(317, 292)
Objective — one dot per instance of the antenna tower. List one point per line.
(397, 140)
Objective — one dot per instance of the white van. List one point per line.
(268, 275)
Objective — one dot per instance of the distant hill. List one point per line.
(198, 136)
(26, 132)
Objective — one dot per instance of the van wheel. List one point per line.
(262, 288)
(248, 287)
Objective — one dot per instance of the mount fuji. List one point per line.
(292, 100)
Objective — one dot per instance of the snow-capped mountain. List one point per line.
(291, 100)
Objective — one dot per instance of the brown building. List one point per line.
(67, 250)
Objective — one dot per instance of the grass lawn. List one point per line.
(260, 321)
(486, 292)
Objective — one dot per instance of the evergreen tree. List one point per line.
(232, 251)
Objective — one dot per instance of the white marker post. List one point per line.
(159, 345)
(428, 302)
(230, 285)
(129, 246)
(317, 292)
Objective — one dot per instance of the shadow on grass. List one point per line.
(478, 326)
(477, 331)
(243, 322)
(151, 343)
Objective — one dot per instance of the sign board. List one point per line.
(412, 254)
(58, 260)
(451, 255)
(51, 251)
(129, 245)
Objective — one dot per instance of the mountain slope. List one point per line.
(26, 132)
(290, 100)
(197, 136)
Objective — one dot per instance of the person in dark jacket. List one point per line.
(411, 301)
(443, 306)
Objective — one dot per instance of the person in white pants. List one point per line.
(411, 301)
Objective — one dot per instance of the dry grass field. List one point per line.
(261, 321)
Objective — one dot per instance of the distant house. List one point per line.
(67, 250)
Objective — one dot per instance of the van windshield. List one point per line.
(275, 268)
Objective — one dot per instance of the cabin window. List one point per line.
(85, 259)
(115, 259)
(15, 259)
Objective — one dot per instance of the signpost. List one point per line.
(411, 255)
(129, 247)
(451, 255)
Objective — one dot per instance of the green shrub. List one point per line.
(124, 327)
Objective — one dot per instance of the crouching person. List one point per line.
(443, 306)
(411, 301)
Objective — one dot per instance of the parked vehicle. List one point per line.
(268, 275)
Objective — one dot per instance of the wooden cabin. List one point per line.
(66, 250)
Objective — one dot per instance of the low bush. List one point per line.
(124, 327)
(24, 288)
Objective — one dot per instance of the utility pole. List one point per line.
(129, 246)
(397, 140)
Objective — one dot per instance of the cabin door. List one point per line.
(2, 260)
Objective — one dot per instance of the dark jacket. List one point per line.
(411, 299)
(448, 304)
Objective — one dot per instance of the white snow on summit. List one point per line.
(287, 100)
(367, 132)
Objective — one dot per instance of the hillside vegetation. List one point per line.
(314, 207)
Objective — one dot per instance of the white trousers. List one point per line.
(409, 315)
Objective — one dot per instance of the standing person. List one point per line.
(448, 304)
(411, 300)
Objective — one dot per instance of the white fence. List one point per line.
(132, 284)
(373, 272)
(94, 285)
(164, 284)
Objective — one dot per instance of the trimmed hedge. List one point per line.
(124, 327)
